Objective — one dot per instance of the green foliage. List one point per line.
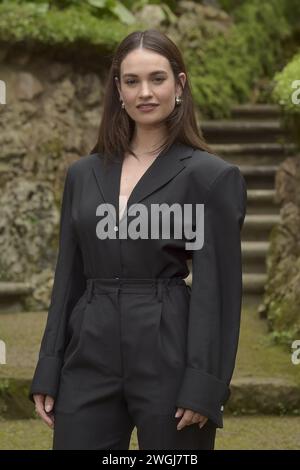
(286, 93)
(137, 4)
(226, 72)
(120, 10)
(287, 82)
(283, 319)
(33, 22)
(284, 338)
(292, 13)
(96, 8)
(230, 5)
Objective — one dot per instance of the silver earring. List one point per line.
(178, 100)
(122, 104)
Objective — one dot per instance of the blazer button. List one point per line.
(116, 228)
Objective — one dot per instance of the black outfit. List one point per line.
(126, 340)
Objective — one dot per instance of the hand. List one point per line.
(189, 417)
(44, 406)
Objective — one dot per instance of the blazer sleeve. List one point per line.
(69, 284)
(215, 301)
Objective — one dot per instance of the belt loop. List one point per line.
(90, 290)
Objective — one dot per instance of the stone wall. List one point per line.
(50, 119)
(281, 305)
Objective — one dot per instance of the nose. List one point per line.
(145, 89)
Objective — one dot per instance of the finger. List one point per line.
(49, 402)
(47, 418)
(186, 419)
(196, 418)
(202, 423)
(179, 412)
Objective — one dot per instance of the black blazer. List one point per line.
(180, 175)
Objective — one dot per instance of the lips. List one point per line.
(147, 106)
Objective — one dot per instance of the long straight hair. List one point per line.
(117, 127)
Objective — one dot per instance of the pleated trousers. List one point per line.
(123, 364)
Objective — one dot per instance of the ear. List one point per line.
(182, 79)
(118, 86)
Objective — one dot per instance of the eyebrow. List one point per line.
(135, 75)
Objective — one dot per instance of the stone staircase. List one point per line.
(254, 139)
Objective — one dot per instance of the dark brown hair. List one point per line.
(116, 127)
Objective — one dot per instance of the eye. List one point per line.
(129, 82)
(156, 79)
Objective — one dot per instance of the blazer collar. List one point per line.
(164, 168)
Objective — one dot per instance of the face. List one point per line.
(147, 77)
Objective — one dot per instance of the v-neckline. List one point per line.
(164, 168)
(125, 211)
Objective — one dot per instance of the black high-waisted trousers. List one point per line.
(123, 364)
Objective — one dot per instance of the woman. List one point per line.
(127, 342)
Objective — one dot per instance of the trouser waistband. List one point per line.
(131, 285)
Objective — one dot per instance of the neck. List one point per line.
(146, 140)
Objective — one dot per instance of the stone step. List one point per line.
(255, 148)
(249, 395)
(254, 256)
(256, 111)
(11, 295)
(259, 171)
(265, 395)
(230, 131)
(254, 160)
(255, 249)
(261, 195)
(253, 139)
(262, 220)
(14, 402)
(259, 176)
(253, 283)
(262, 201)
(258, 226)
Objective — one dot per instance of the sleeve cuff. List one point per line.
(46, 377)
(203, 393)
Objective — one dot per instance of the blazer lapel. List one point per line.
(164, 168)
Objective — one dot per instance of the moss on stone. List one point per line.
(27, 22)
